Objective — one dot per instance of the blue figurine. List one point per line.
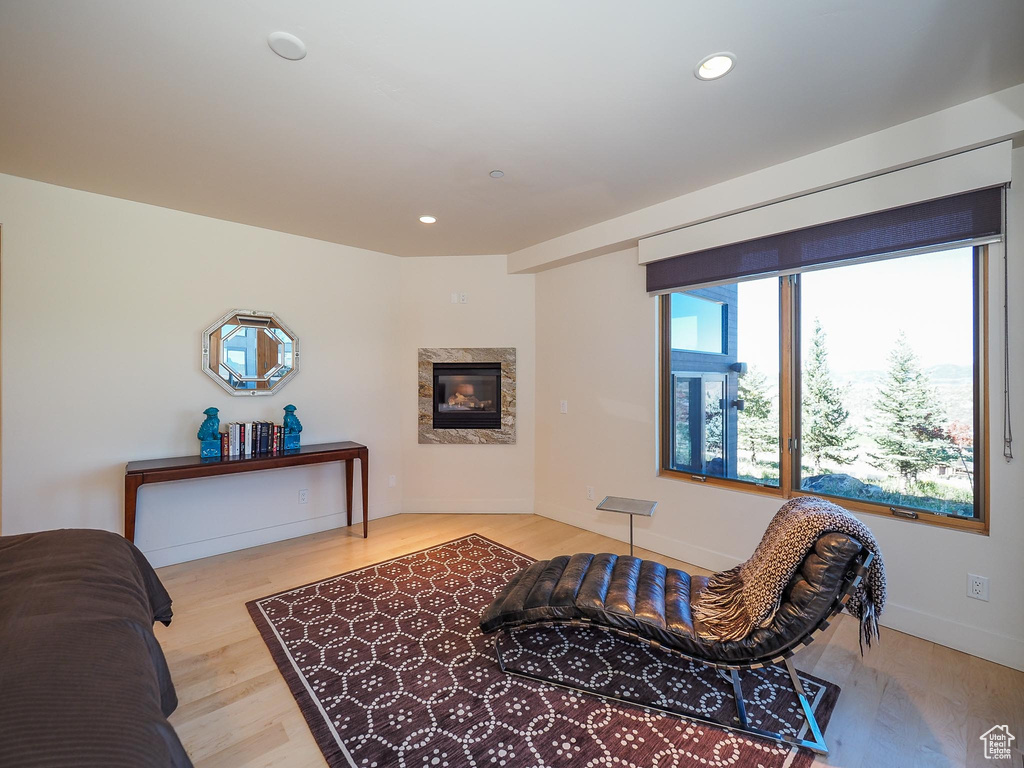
(209, 435)
(292, 428)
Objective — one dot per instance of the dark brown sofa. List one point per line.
(83, 681)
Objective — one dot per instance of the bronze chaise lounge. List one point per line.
(650, 603)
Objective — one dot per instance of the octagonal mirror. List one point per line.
(249, 352)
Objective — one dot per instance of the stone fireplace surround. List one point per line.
(506, 356)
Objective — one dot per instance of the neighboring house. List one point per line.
(705, 380)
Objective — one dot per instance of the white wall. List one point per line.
(499, 312)
(597, 349)
(104, 301)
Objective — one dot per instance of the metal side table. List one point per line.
(631, 507)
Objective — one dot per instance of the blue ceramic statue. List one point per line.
(292, 428)
(210, 428)
(292, 425)
(209, 435)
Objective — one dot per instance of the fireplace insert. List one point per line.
(467, 395)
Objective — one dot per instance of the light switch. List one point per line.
(564, 406)
(455, 297)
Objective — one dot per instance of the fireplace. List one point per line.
(467, 396)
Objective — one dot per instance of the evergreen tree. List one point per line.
(758, 422)
(826, 434)
(908, 419)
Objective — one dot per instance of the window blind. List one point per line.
(959, 218)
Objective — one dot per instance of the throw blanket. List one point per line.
(738, 601)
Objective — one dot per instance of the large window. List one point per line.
(724, 409)
(860, 382)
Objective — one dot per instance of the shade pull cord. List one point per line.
(1007, 425)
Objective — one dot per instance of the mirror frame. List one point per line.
(241, 314)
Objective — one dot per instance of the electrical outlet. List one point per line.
(462, 298)
(590, 493)
(563, 406)
(303, 496)
(977, 587)
(392, 481)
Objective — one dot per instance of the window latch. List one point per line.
(792, 444)
(908, 514)
(698, 478)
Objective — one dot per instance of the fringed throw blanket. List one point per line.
(738, 601)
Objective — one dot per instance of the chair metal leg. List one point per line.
(737, 688)
(812, 722)
(818, 745)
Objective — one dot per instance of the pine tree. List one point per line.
(826, 434)
(758, 422)
(908, 419)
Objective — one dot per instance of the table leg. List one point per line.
(131, 498)
(348, 490)
(363, 465)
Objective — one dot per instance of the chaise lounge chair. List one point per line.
(652, 604)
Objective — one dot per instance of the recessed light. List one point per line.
(427, 219)
(287, 46)
(497, 174)
(714, 66)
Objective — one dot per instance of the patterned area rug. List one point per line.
(389, 668)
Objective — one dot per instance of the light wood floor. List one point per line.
(909, 702)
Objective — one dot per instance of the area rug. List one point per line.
(389, 668)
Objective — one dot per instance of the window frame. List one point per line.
(789, 410)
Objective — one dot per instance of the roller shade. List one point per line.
(959, 218)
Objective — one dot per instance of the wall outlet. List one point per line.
(977, 587)
(462, 298)
(590, 493)
(392, 481)
(563, 406)
(303, 496)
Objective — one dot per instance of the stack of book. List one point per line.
(253, 438)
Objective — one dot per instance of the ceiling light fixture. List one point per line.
(287, 46)
(427, 219)
(715, 66)
(497, 174)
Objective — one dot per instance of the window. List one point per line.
(859, 382)
(887, 390)
(724, 409)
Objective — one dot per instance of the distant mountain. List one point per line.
(950, 371)
(953, 384)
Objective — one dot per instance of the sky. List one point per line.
(862, 309)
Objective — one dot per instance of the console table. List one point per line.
(138, 473)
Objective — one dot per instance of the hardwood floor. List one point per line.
(909, 702)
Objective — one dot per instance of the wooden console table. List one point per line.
(138, 473)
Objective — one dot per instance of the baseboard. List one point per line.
(703, 557)
(195, 550)
(468, 506)
(992, 646)
(1002, 649)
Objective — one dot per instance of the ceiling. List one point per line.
(401, 109)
